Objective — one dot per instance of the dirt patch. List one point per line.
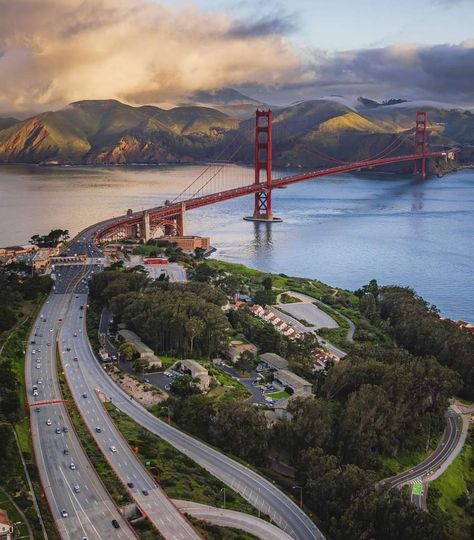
(146, 394)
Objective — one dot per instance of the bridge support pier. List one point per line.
(419, 165)
(263, 163)
(145, 228)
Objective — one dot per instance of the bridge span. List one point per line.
(170, 217)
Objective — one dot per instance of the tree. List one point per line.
(267, 283)
(7, 318)
(185, 386)
(263, 297)
(140, 365)
(241, 429)
(194, 327)
(245, 362)
(128, 351)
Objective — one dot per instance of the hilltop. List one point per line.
(111, 132)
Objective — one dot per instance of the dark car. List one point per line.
(130, 485)
(116, 524)
(145, 492)
(65, 429)
(68, 349)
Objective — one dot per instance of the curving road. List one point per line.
(261, 493)
(425, 471)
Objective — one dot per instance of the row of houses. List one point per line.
(281, 326)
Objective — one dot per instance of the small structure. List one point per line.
(197, 371)
(189, 243)
(299, 385)
(6, 526)
(143, 350)
(236, 348)
(43, 257)
(274, 361)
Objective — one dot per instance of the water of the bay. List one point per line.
(343, 230)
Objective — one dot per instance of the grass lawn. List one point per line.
(167, 361)
(450, 486)
(278, 395)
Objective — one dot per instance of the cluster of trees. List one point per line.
(52, 239)
(176, 319)
(416, 325)
(235, 426)
(375, 403)
(14, 291)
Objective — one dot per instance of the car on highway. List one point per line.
(68, 349)
(75, 359)
(39, 381)
(98, 430)
(64, 513)
(113, 449)
(84, 395)
(65, 429)
(131, 485)
(38, 366)
(66, 451)
(115, 524)
(145, 492)
(58, 430)
(77, 489)
(72, 466)
(35, 392)
(48, 422)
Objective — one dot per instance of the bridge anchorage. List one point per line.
(263, 164)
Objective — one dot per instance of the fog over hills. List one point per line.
(111, 132)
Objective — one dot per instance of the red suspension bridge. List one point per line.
(211, 186)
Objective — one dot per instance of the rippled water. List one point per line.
(342, 230)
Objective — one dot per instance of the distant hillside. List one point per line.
(312, 133)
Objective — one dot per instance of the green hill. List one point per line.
(304, 134)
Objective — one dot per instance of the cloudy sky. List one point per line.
(53, 52)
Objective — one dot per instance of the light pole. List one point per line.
(223, 491)
(301, 494)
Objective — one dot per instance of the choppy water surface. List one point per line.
(342, 230)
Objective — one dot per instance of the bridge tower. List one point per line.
(419, 165)
(263, 168)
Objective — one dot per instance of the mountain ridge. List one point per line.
(112, 132)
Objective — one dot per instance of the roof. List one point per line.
(142, 348)
(292, 379)
(4, 517)
(274, 360)
(194, 366)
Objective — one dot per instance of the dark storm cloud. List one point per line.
(274, 24)
(442, 72)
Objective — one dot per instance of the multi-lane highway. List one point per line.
(80, 505)
(148, 496)
(257, 490)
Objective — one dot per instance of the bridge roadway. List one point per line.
(91, 511)
(261, 493)
(142, 488)
(163, 212)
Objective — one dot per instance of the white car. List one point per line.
(113, 449)
(77, 489)
(72, 466)
(48, 422)
(35, 393)
(38, 366)
(64, 513)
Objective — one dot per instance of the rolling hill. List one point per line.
(305, 133)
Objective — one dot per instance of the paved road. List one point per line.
(237, 520)
(258, 491)
(307, 311)
(149, 497)
(425, 471)
(91, 511)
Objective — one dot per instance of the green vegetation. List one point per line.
(417, 326)
(52, 239)
(214, 532)
(22, 297)
(287, 299)
(180, 477)
(278, 395)
(174, 319)
(452, 495)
